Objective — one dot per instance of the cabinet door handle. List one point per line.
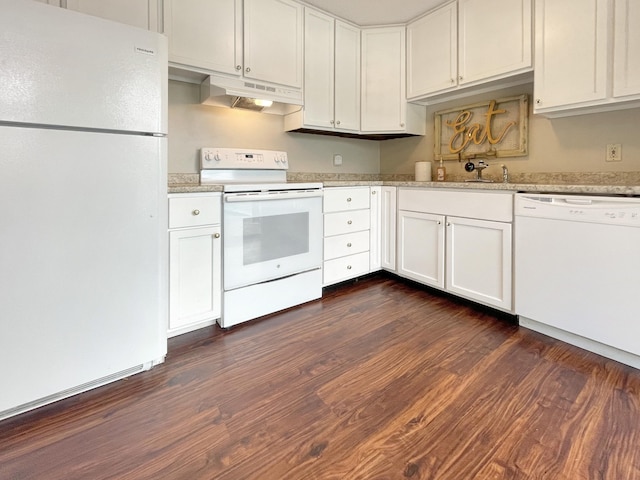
(402, 124)
(373, 192)
(196, 212)
(238, 67)
(348, 267)
(331, 122)
(453, 80)
(338, 122)
(538, 101)
(448, 224)
(460, 78)
(216, 235)
(439, 222)
(349, 245)
(349, 222)
(349, 199)
(247, 69)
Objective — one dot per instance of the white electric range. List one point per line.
(271, 231)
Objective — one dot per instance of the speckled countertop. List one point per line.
(606, 183)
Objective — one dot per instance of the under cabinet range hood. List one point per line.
(220, 91)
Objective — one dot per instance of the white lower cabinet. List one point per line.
(195, 257)
(479, 260)
(347, 233)
(421, 247)
(458, 241)
(387, 235)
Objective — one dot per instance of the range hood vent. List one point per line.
(220, 91)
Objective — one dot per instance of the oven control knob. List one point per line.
(210, 156)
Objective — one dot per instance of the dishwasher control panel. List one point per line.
(596, 209)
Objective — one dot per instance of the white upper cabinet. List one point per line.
(571, 53)
(319, 43)
(384, 105)
(578, 69)
(626, 73)
(494, 39)
(139, 13)
(347, 77)
(468, 43)
(256, 39)
(331, 76)
(432, 66)
(205, 35)
(273, 41)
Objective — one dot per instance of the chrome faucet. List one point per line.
(505, 174)
(479, 168)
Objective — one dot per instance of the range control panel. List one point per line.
(234, 158)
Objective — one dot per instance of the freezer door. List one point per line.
(83, 285)
(64, 68)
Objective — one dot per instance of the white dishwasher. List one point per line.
(577, 271)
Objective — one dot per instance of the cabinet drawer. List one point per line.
(347, 244)
(341, 199)
(346, 222)
(194, 211)
(346, 267)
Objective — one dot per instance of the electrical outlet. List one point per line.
(614, 152)
(337, 160)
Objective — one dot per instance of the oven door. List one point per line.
(270, 235)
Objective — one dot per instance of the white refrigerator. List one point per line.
(83, 275)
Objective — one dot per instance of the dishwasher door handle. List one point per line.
(578, 201)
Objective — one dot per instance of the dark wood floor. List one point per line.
(378, 380)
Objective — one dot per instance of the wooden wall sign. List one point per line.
(495, 128)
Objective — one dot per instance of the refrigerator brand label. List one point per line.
(145, 51)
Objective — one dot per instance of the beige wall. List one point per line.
(192, 126)
(572, 144)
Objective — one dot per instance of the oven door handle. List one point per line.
(288, 195)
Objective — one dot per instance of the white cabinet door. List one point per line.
(421, 247)
(432, 52)
(571, 53)
(273, 41)
(195, 280)
(383, 80)
(494, 38)
(318, 69)
(479, 260)
(375, 229)
(331, 75)
(139, 13)
(347, 77)
(626, 58)
(204, 34)
(388, 205)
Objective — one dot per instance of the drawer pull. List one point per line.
(348, 267)
(373, 192)
(349, 245)
(196, 212)
(216, 235)
(349, 222)
(349, 199)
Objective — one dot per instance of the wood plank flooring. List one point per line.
(380, 379)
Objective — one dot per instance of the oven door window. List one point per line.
(270, 239)
(274, 236)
